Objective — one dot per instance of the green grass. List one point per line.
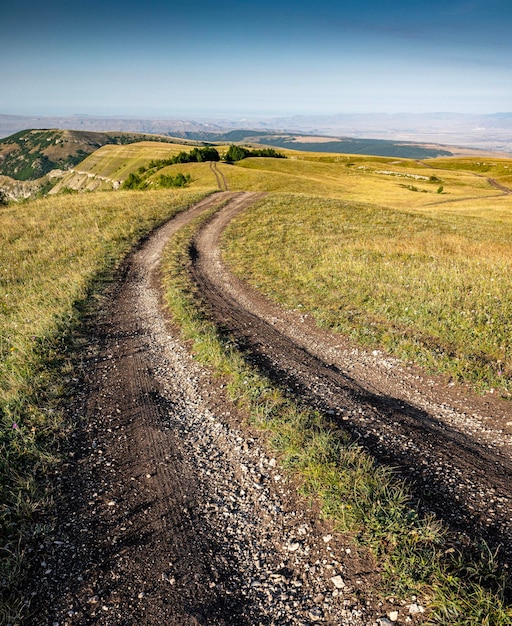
(430, 286)
(55, 255)
(416, 555)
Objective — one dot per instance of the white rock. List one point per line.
(338, 582)
(414, 609)
(393, 616)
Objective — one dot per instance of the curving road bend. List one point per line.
(454, 446)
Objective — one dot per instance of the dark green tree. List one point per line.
(236, 153)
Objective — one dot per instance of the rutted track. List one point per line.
(456, 447)
(170, 513)
(222, 181)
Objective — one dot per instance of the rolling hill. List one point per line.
(33, 161)
(30, 154)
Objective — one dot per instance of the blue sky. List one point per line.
(256, 58)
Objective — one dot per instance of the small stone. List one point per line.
(170, 579)
(315, 614)
(327, 538)
(338, 582)
(414, 609)
(393, 616)
(93, 600)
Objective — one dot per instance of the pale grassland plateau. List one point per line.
(388, 182)
(395, 184)
(118, 161)
(55, 254)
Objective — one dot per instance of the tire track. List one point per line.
(456, 450)
(222, 182)
(494, 183)
(169, 515)
(146, 552)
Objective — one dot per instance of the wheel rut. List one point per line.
(453, 446)
(169, 512)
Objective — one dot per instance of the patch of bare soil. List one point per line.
(454, 446)
(494, 183)
(171, 513)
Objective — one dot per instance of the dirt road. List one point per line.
(454, 446)
(173, 514)
(170, 513)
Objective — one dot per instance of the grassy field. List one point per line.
(412, 257)
(396, 183)
(55, 255)
(431, 286)
(433, 237)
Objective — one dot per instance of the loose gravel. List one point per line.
(172, 512)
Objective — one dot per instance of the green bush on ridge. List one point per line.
(238, 153)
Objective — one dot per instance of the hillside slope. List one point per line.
(30, 154)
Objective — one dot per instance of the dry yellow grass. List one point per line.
(402, 184)
(389, 182)
(429, 285)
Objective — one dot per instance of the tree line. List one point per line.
(234, 153)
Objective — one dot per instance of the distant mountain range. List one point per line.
(486, 132)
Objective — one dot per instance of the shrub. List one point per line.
(180, 180)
